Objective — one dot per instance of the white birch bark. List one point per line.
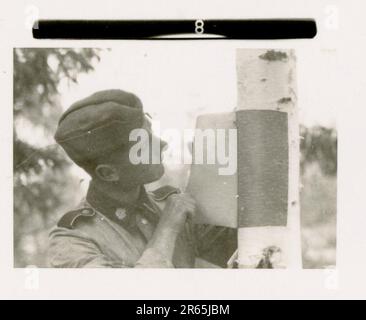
(266, 81)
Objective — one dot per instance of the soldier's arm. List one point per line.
(159, 252)
(161, 247)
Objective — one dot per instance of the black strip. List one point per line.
(237, 308)
(154, 29)
(262, 168)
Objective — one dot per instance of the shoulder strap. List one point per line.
(68, 219)
(164, 192)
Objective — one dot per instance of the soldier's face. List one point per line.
(151, 167)
(130, 174)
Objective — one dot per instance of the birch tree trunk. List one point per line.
(267, 114)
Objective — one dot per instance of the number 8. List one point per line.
(199, 26)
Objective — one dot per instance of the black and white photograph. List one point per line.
(183, 158)
(172, 157)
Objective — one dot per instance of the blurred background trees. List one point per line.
(40, 168)
(319, 145)
(318, 196)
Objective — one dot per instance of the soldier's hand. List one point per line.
(179, 207)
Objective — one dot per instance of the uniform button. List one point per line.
(143, 221)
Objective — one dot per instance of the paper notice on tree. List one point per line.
(213, 187)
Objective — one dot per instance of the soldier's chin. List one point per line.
(151, 174)
(148, 174)
(157, 171)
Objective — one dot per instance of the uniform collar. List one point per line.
(119, 211)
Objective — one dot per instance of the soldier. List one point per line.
(119, 224)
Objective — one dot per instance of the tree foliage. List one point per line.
(37, 76)
(39, 166)
(319, 145)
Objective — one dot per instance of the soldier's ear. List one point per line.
(107, 172)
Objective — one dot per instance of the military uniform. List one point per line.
(102, 232)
